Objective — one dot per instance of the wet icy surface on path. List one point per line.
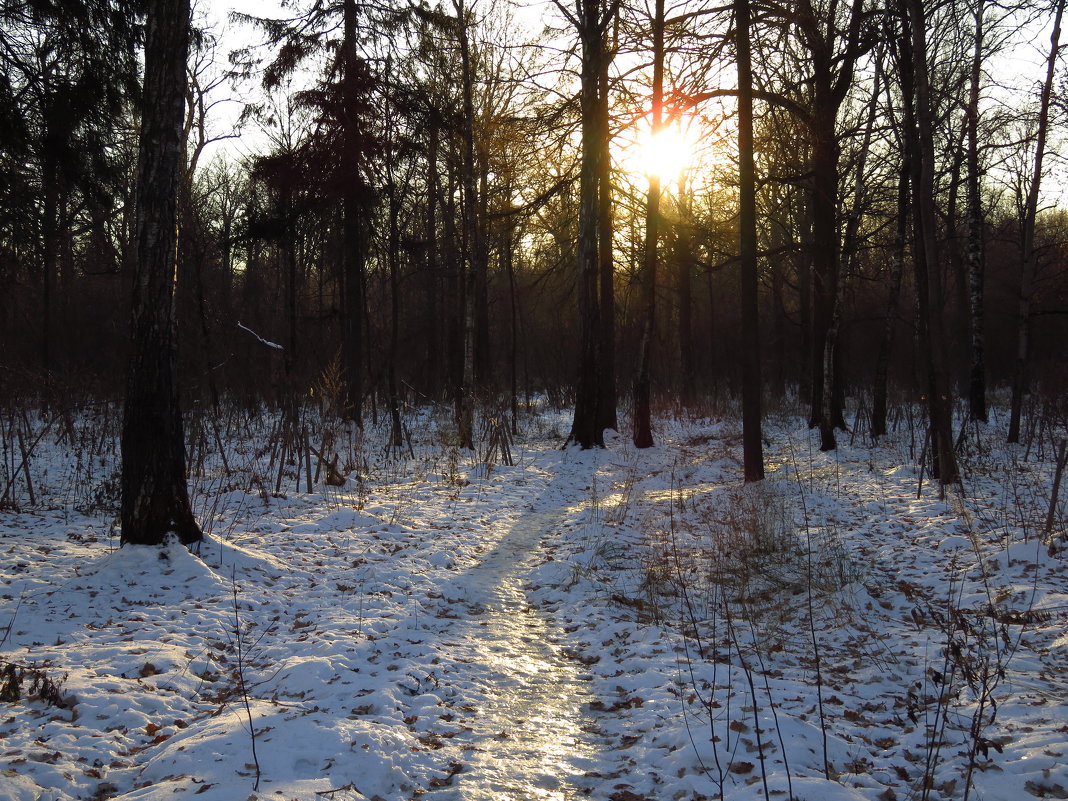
(532, 736)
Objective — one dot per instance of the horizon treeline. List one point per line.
(411, 226)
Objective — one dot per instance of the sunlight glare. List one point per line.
(666, 154)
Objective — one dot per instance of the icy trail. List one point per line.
(536, 738)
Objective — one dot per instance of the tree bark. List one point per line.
(684, 267)
(606, 404)
(587, 428)
(351, 279)
(472, 247)
(432, 331)
(886, 343)
(928, 270)
(1030, 252)
(643, 432)
(752, 446)
(976, 248)
(832, 76)
(396, 438)
(155, 496)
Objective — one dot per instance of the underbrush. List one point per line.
(240, 456)
(841, 619)
(841, 571)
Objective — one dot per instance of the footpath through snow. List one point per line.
(612, 625)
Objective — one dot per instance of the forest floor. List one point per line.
(615, 624)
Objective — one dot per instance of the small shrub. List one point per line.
(13, 681)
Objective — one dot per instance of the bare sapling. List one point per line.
(238, 640)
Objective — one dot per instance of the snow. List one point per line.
(613, 624)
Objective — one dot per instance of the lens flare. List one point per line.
(665, 154)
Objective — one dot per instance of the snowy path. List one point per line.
(446, 632)
(534, 738)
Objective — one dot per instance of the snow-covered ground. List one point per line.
(614, 624)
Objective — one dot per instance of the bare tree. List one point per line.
(752, 447)
(925, 242)
(643, 433)
(155, 497)
(591, 19)
(1030, 251)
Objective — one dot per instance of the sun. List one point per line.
(665, 154)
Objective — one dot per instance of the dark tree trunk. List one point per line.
(50, 258)
(606, 405)
(643, 432)
(832, 77)
(684, 267)
(587, 428)
(483, 353)
(779, 319)
(1030, 252)
(508, 257)
(803, 266)
(353, 238)
(976, 248)
(752, 446)
(290, 403)
(824, 271)
(928, 275)
(454, 292)
(886, 344)
(396, 429)
(471, 244)
(432, 330)
(155, 497)
(851, 244)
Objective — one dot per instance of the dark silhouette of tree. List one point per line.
(591, 19)
(343, 144)
(643, 432)
(976, 250)
(155, 498)
(473, 254)
(752, 445)
(1029, 248)
(916, 89)
(69, 70)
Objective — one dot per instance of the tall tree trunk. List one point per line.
(803, 267)
(432, 330)
(472, 247)
(155, 496)
(824, 271)
(976, 248)
(643, 432)
(893, 295)
(684, 267)
(49, 258)
(396, 429)
(1030, 252)
(928, 270)
(483, 355)
(832, 77)
(606, 404)
(850, 243)
(454, 292)
(351, 279)
(587, 428)
(752, 446)
(508, 257)
(290, 404)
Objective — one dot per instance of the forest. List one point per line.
(426, 181)
(458, 399)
